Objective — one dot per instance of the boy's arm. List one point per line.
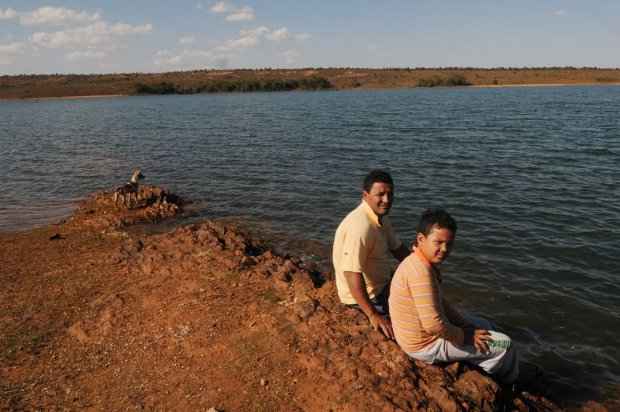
(471, 335)
(426, 296)
(453, 315)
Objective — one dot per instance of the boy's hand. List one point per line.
(382, 324)
(478, 338)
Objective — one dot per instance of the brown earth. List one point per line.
(95, 315)
(63, 85)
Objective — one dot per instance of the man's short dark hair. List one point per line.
(375, 176)
(432, 217)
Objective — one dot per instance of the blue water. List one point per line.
(530, 174)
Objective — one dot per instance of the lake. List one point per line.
(531, 175)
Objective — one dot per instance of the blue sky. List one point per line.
(67, 36)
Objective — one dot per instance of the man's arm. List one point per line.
(357, 286)
(401, 252)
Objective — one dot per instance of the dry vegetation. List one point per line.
(62, 85)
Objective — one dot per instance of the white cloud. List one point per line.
(187, 40)
(199, 6)
(197, 53)
(85, 55)
(220, 7)
(99, 33)
(252, 37)
(12, 48)
(8, 52)
(279, 35)
(57, 16)
(7, 14)
(257, 32)
(291, 56)
(560, 12)
(166, 58)
(123, 29)
(302, 36)
(243, 14)
(241, 43)
(188, 58)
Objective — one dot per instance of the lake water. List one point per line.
(530, 174)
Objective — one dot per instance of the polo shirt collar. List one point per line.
(371, 213)
(428, 264)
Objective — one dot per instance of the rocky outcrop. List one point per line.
(148, 204)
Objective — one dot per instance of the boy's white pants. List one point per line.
(501, 360)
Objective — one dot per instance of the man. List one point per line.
(364, 247)
(426, 326)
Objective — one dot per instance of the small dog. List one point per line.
(127, 194)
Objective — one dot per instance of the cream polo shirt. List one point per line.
(363, 245)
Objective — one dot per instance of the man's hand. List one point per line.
(478, 338)
(382, 324)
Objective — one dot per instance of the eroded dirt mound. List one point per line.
(148, 204)
(197, 318)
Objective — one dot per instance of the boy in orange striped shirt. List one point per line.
(425, 325)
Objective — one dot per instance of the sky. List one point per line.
(87, 36)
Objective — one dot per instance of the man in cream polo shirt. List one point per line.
(365, 246)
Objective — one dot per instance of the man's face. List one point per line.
(437, 245)
(380, 198)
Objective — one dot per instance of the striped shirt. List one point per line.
(419, 313)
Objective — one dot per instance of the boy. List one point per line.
(425, 325)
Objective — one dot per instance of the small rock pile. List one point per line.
(149, 204)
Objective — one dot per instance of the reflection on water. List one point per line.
(529, 173)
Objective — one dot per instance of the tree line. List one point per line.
(240, 85)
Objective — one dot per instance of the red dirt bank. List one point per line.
(97, 316)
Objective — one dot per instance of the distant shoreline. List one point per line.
(477, 86)
(94, 96)
(492, 86)
(73, 86)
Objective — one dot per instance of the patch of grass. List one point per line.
(606, 79)
(270, 296)
(449, 81)
(240, 85)
(29, 341)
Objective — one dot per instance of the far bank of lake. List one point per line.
(205, 81)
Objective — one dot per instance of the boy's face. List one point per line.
(437, 245)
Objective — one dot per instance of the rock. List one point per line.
(480, 389)
(302, 284)
(453, 369)
(305, 308)
(592, 406)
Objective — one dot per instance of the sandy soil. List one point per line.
(97, 315)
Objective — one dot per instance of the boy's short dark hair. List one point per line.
(432, 217)
(375, 176)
